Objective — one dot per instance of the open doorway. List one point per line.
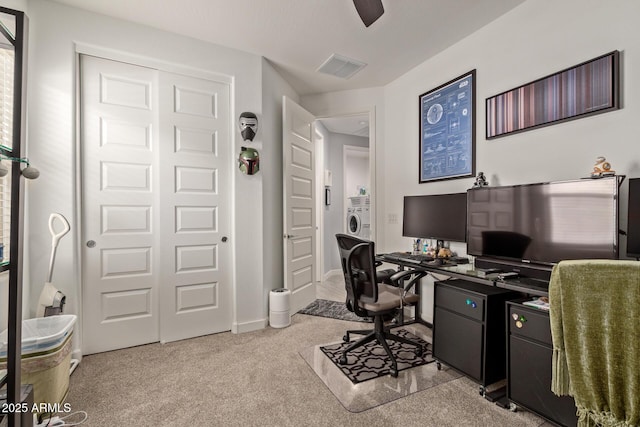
(346, 186)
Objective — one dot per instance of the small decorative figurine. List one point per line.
(444, 253)
(481, 181)
(602, 168)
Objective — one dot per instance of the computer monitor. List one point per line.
(545, 223)
(436, 216)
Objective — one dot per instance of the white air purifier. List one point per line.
(280, 308)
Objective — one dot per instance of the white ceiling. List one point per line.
(350, 125)
(297, 36)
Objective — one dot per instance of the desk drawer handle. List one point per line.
(472, 303)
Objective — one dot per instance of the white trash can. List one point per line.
(280, 308)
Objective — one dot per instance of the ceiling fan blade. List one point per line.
(369, 10)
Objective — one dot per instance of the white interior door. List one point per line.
(299, 218)
(155, 188)
(195, 286)
(119, 143)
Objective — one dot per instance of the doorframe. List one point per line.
(347, 150)
(77, 225)
(320, 243)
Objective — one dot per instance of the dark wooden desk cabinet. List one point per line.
(529, 366)
(469, 329)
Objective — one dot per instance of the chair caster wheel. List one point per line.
(394, 373)
(343, 360)
(439, 366)
(345, 338)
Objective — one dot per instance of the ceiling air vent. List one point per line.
(341, 66)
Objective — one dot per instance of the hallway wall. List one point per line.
(334, 217)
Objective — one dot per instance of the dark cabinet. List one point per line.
(529, 366)
(469, 329)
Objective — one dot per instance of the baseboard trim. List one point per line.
(256, 325)
(331, 273)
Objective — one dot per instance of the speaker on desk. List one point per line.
(633, 226)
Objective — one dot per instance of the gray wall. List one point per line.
(334, 218)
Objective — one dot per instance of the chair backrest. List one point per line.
(357, 258)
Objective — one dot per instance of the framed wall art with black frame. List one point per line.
(447, 130)
(589, 88)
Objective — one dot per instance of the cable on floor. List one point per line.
(62, 421)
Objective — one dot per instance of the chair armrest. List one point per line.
(400, 276)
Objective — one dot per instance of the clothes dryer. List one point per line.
(354, 223)
(359, 221)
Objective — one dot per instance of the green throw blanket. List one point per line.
(595, 326)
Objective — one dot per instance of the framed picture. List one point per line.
(448, 130)
(580, 91)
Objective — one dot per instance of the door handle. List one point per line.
(91, 244)
(289, 236)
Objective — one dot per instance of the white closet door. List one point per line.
(119, 144)
(155, 199)
(195, 280)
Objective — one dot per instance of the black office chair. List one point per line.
(368, 297)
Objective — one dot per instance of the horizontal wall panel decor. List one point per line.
(580, 91)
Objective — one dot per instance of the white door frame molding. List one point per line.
(146, 61)
(371, 113)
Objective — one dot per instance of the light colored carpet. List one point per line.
(256, 379)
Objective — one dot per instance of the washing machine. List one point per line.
(359, 217)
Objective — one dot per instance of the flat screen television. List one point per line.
(437, 216)
(633, 217)
(545, 223)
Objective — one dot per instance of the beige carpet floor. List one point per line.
(256, 379)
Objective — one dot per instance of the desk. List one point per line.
(470, 273)
(480, 341)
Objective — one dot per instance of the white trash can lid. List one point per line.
(41, 333)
